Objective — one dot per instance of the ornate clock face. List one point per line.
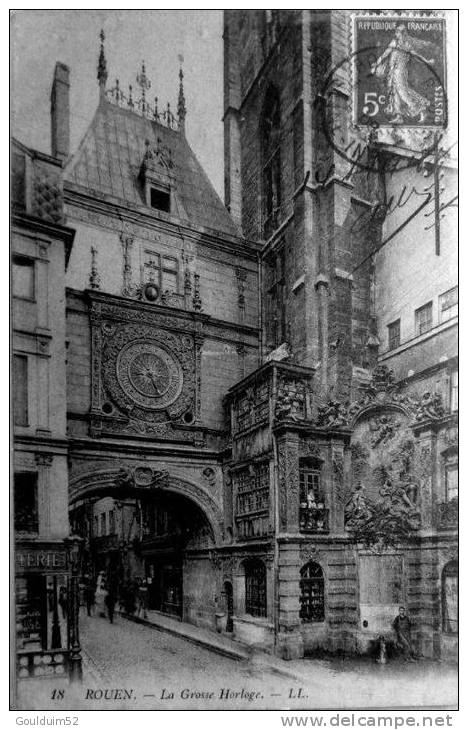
(148, 374)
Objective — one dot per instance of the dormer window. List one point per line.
(157, 177)
(160, 199)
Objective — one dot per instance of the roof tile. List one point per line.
(110, 156)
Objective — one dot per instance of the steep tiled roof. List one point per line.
(109, 161)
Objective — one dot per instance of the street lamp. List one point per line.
(74, 552)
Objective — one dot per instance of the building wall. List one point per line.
(409, 273)
(39, 332)
(218, 269)
(39, 335)
(337, 301)
(40, 247)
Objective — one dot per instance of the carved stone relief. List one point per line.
(385, 503)
(381, 392)
(288, 471)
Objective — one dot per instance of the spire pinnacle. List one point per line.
(144, 83)
(181, 109)
(102, 67)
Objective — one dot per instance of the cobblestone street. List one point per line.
(128, 666)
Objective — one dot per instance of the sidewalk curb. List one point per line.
(239, 655)
(258, 660)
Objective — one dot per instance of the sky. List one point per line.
(40, 38)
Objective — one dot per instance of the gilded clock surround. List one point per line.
(149, 374)
(144, 374)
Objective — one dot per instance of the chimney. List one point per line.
(60, 112)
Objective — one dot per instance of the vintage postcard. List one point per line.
(234, 355)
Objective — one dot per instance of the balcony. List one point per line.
(313, 519)
(447, 515)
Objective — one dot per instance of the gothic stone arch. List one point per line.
(140, 479)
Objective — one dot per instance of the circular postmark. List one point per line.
(390, 90)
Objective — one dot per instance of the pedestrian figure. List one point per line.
(100, 596)
(89, 596)
(402, 628)
(63, 601)
(111, 600)
(142, 597)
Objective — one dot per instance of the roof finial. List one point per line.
(102, 68)
(181, 109)
(144, 83)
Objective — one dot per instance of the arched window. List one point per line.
(312, 593)
(450, 598)
(271, 160)
(255, 587)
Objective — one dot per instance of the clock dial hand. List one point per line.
(150, 375)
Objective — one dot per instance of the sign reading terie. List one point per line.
(41, 560)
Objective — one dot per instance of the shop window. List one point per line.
(394, 335)
(275, 321)
(448, 304)
(31, 611)
(451, 482)
(23, 274)
(423, 318)
(450, 598)
(454, 391)
(20, 390)
(255, 587)
(312, 593)
(26, 508)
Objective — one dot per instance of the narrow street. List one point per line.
(129, 666)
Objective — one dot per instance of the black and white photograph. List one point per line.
(234, 360)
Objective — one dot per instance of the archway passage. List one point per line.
(173, 529)
(150, 544)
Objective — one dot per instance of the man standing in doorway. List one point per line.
(402, 628)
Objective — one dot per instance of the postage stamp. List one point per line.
(399, 71)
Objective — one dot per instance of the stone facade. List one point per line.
(360, 487)
(242, 439)
(162, 318)
(41, 246)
